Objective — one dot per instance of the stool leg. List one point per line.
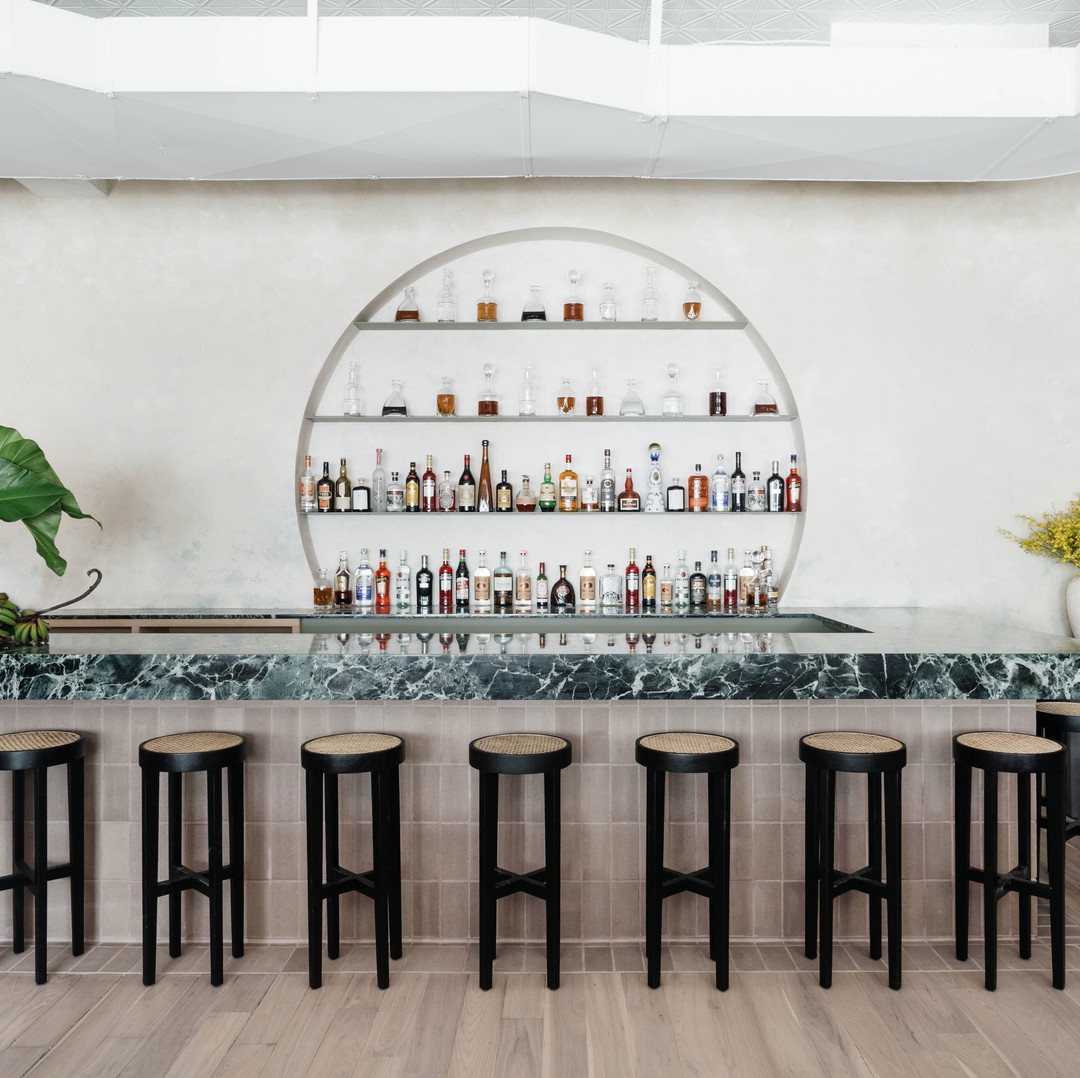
(826, 821)
(654, 872)
(1023, 847)
(873, 843)
(77, 854)
(380, 849)
(552, 874)
(215, 884)
(719, 871)
(990, 859)
(1040, 801)
(961, 855)
(175, 855)
(150, 803)
(489, 854)
(894, 876)
(313, 809)
(1055, 871)
(331, 823)
(812, 855)
(392, 794)
(18, 858)
(41, 872)
(236, 856)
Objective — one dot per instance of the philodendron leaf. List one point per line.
(24, 494)
(43, 529)
(27, 454)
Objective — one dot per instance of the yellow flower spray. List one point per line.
(1055, 535)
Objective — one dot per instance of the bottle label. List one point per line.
(427, 489)
(461, 588)
(738, 484)
(363, 591)
(502, 499)
(343, 503)
(568, 489)
(607, 494)
(633, 581)
(307, 488)
(666, 592)
(610, 594)
(326, 499)
(588, 589)
(630, 504)
(523, 589)
(648, 587)
(504, 588)
(697, 591)
(466, 495)
(446, 498)
(676, 500)
(755, 499)
(361, 500)
(482, 588)
(395, 500)
(382, 587)
(542, 591)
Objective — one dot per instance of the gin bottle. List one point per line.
(611, 591)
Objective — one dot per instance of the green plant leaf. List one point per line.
(24, 494)
(43, 528)
(26, 453)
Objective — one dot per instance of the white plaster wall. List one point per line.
(161, 345)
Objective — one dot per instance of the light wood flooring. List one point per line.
(95, 1018)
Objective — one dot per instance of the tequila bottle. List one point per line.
(590, 496)
(654, 498)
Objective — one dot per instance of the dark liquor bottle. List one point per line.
(361, 497)
(534, 310)
(466, 490)
(676, 497)
(699, 585)
(628, 500)
(424, 587)
(793, 489)
(648, 586)
(324, 490)
(633, 583)
(342, 491)
(738, 486)
(504, 495)
(429, 499)
(563, 600)
(485, 498)
(382, 586)
(412, 489)
(446, 584)
(774, 490)
(461, 586)
(343, 592)
(543, 599)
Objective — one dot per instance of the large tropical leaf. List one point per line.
(43, 529)
(26, 453)
(24, 494)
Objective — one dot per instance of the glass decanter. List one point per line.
(717, 395)
(407, 310)
(395, 403)
(487, 310)
(445, 399)
(691, 308)
(632, 404)
(573, 310)
(534, 310)
(526, 497)
(672, 404)
(350, 403)
(765, 402)
(608, 306)
(566, 399)
(488, 403)
(446, 298)
(594, 401)
(650, 298)
(527, 393)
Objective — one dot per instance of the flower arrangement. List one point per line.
(1054, 535)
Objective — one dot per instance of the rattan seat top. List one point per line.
(685, 742)
(32, 740)
(1058, 707)
(519, 744)
(1009, 742)
(352, 744)
(852, 742)
(196, 741)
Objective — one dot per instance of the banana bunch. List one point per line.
(25, 628)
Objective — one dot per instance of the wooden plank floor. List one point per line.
(97, 1019)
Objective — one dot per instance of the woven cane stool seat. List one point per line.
(29, 740)
(1008, 742)
(688, 752)
(847, 741)
(687, 742)
(519, 754)
(24, 749)
(200, 741)
(352, 744)
(1058, 707)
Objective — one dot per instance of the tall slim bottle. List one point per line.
(424, 587)
(568, 489)
(587, 585)
(324, 490)
(403, 585)
(446, 584)
(378, 484)
(648, 586)
(738, 486)
(607, 485)
(502, 586)
(466, 490)
(382, 586)
(793, 488)
(731, 583)
(412, 489)
(714, 586)
(307, 487)
(720, 488)
(682, 583)
(543, 599)
(343, 592)
(342, 491)
(633, 583)
(523, 586)
(461, 586)
(485, 495)
(774, 490)
(365, 583)
(482, 585)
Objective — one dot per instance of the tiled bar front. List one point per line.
(603, 833)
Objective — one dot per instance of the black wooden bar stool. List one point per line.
(519, 754)
(1056, 719)
(35, 751)
(214, 752)
(1023, 755)
(878, 757)
(693, 754)
(324, 759)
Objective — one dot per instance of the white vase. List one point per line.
(1072, 604)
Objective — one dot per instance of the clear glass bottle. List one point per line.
(682, 583)
(566, 399)
(764, 402)
(632, 404)
(365, 583)
(446, 399)
(611, 591)
(650, 298)
(667, 589)
(547, 500)
(523, 586)
(590, 496)
(482, 585)
(534, 310)
(746, 577)
(502, 586)
(755, 494)
(487, 310)
(323, 592)
(488, 404)
(527, 393)
(395, 403)
(307, 487)
(607, 485)
(395, 494)
(672, 405)
(714, 586)
(717, 395)
(445, 308)
(730, 582)
(720, 488)
(691, 308)
(447, 493)
(403, 584)
(526, 498)
(608, 307)
(594, 401)
(407, 310)
(350, 399)
(587, 585)
(573, 309)
(378, 485)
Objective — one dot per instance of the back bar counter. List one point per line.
(916, 675)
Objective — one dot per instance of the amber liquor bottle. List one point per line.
(504, 495)
(568, 489)
(793, 488)
(648, 586)
(485, 498)
(343, 592)
(563, 600)
(382, 586)
(412, 489)
(324, 490)
(628, 500)
(429, 498)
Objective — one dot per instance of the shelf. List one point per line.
(550, 516)
(543, 327)
(450, 420)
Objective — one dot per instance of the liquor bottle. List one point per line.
(676, 497)
(382, 586)
(534, 311)
(504, 495)
(445, 306)
(364, 583)
(632, 641)
(587, 585)
(502, 586)
(563, 600)
(566, 400)
(698, 491)
(611, 591)
(755, 494)
(648, 586)
(698, 589)
(774, 490)
(485, 496)
(772, 595)
(648, 639)
(523, 586)
(720, 489)
(633, 582)
(573, 310)
(607, 485)
(482, 586)
(714, 585)
(568, 489)
(632, 404)
(361, 497)
(343, 592)
(403, 584)
(793, 489)
(526, 498)
(738, 486)
(765, 402)
(407, 310)
(324, 490)
(543, 601)
(717, 395)
(446, 584)
(342, 491)
(731, 583)
(746, 576)
(487, 310)
(323, 592)
(447, 493)
(594, 400)
(395, 494)
(445, 399)
(461, 586)
(378, 485)
(590, 496)
(424, 587)
(307, 488)
(350, 399)
(628, 500)
(527, 393)
(691, 308)
(412, 489)
(667, 589)
(466, 490)
(488, 403)
(395, 402)
(654, 495)
(650, 298)
(682, 583)
(547, 491)
(671, 404)
(428, 491)
(608, 307)
(758, 599)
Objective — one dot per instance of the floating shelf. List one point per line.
(450, 420)
(542, 327)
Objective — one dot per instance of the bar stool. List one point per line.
(519, 754)
(877, 757)
(176, 754)
(1022, 755)
(323, 760)
(692, 754)
(1056, 719)
(36, 751)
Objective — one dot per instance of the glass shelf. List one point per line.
(449, 420)
(555, 514)
(542, 327)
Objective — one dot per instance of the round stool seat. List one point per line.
(349, 753)
(195, 751)
(1058, 707)
(24, 749)
(519, 754)
(1003, 750)
(846, 750)
(688, 752)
